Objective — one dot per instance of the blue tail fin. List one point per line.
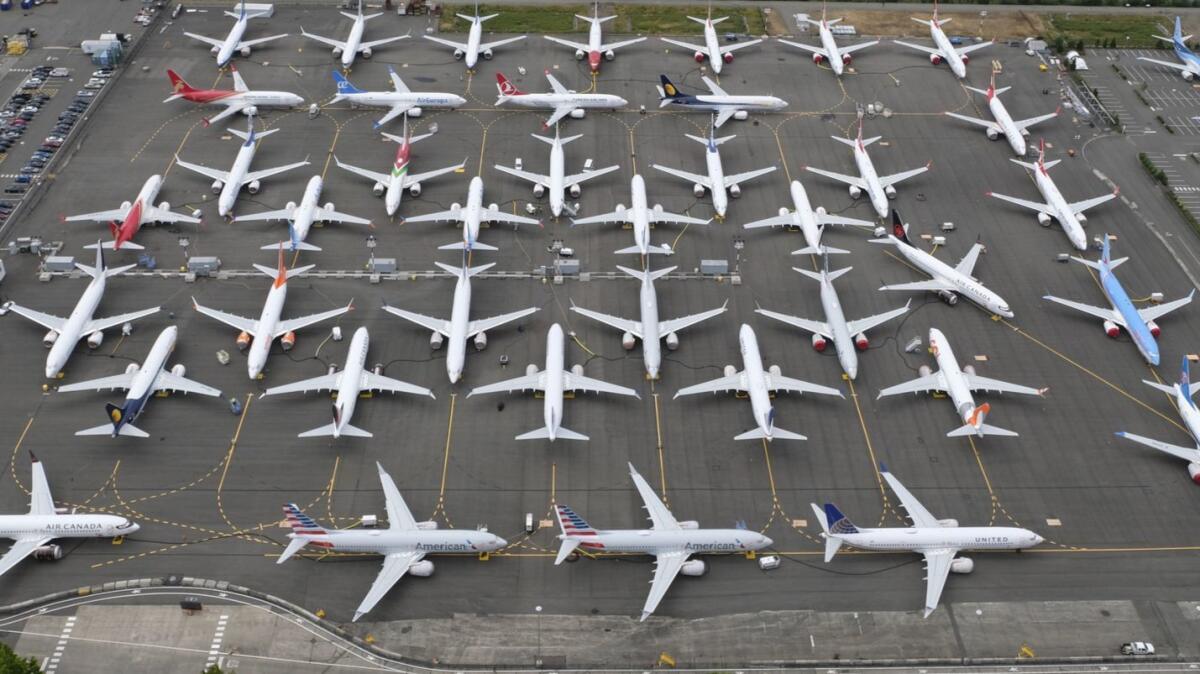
(838, 523)
(343, 85)
(1178, 30)
(669, 89)
(1105, 252)
(1185, 379)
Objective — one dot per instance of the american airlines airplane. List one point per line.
(31, 533)
(557, 182)
(955, 57)
(1069, 215)
(460, 327)
(229, 183)
(552, 382)
(1004, 125)
(648, 327)
(848, 337)
(65, 333)
(400, 101)
(595, 46)
(640, 216)
(125, 221)
(718, 101)
(670, 541)
(258, 335)
(470, 216)
(1182, 395)
(354, 45)
(758, 384)
(241, 98)
(712, 50)
(391, 186)
(300, 217)
(142, 383)
(959, 383)
(561, 100)
(352, 380)
(946, 281)
(224, 49)
(403, 544)
(470, 52)
(879, 189)
(1140, 323)
(939, 541)
(1189, 68)
(829, 51)
(811, 222)
(715, 181)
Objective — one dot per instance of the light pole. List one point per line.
(538, 661)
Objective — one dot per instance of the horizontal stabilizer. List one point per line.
(759, 434)
(327, 430)
(543, 433)
(461, 245)
(822, 250)
(128, 430)
(984, 429)
(568, 546)
(288, 245)
(652, 250)
(112, 245)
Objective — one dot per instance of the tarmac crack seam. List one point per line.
(441, 501)
(862, 422)
(662, 469)
(229, 459)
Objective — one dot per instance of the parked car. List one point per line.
(60, 72)
(16, 188)
(1137, 648)
(85, 93)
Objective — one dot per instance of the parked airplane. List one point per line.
(716, 182)
(31, 533)
(228, 183)
(670, 541)
(939, 541)
(301, 217)
(959, 383)
(391, 186)
(258, 335)
(142, 383)
(943, 50)
(354, 45)
(403, 544)
(241, 98)
(811, 222)
(946, 281)
(848, 336)
(1190, 66)
(718, 101)
(352, 380)
(470, 216)
(1181, 393)
(879, 189)
(65, 333)
(1140, 323)
(552, 382)
(712, 49)
(459, 328)
(648, 328)
(474, 48)
(829, 51)
(640, 216)
(125, 221)
(758, 384)
(1013, 131)
(595, 46)
(400, 101)
(561, 100)
(557, 182)
(233, 42)
(1069, 215)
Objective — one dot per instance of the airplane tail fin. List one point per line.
(98, 270)
(668, 90)
(344, 85)
(899, 229)
(820, 250)
(460, 245)
(1185, 379)
(834, 525)
(116, 426)
(975, 425)
(648, 276)
(281, 273)
(543, 433)
(304, 528)
(178, 85)
(506, 87)
(574, 531)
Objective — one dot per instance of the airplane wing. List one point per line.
(784, 220)
(676, 324)
(748, 175)
(485, 324)
(978, 383)
(963, 51)
(723, 115)
(887, 181)
(379, 43)
(48, 321)
(666, 568)
(927, 50)
(967, 264)
(449, 43)
(559, 112)
(850, 49)
(782, 383)
(734, 382)
(397, 83)
(932, 285)
(864, 324)
(248, 325)
(1081, 206)
(117, 381)
(261, 40)
(497, 43)
(395, 565)
(735, 47)
(613, 46)
(229, 109)
(1159, 310)
(827, 219)
(21, 549)
(603, 219)
(555, 84)
(293, 324)
(1023, 124)
(1168, 64)
(1186, 453)
(714, 88)
(916, 512)
(377, 382)
(975, 120)
(578, 382)
(685, 45)
(399, 516)
(267, 173)
(1032, 205)
(326, 382)
(381, 178)
(203, 170)
(529, 382)
(206, 40)
(167, 381)
(660, 517)
(567, 43)
(684, 175)
(40, 501)
(281, 214)
(803, 323)
(99, 216)
(807, 47)
(324, 40)
(325, 215)
(656, 217)
(937, 568)
(587, 175)
(509, 218)
(623, 324)
(930, 382)
(1098, 312)
(156, 214)
(396, 110)
(534, 178)
(440, 216)
(113, 321)
(413, 178)
(840, 177)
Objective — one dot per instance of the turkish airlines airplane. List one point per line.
(557, 182)
(879, 189)
(810, 221)
(241, 98)
(1004, 125)
(400, 101)
(354, 45)
(1181, 394)
(125, 221)
(639, 216)
(233, 42)
(712, 50)
(955, 57)
(470, 217)
(391, 185)
(474, 47)
(719, 185)
(300, 217)
(595, 47)
(561, 100)
(829, 51)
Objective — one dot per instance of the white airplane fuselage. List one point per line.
(305, 212)
(835, 55)
(949, 53)
(230, 45)
(963, 285)
(718, 103)
(237, 173)
(1061, 210)
(472, 213)
(65, 526)
(552, 399)
(694, 541)
(351, 379)
(956, 382)
(641, 226)
(353, 42)
(1016, 139)
(713, 47)
(264, 336)
(716, 175)
(921, 539)
(72, 330)
(866, 171)
(577, 101)
(432, 541)
(843, 341)
(474, 36)
(460, 318)
(756, 382)
(142, 386)
(651, 346)
(803, 216)
(557, 178)
(148, 194)
(420, 99)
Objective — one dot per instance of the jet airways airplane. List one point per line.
(955, 57)
(670, 541)
(241, 98)
(1004, 125)
(640, 216)
(354, 45)
(811, 222)
(848, 337)
(557, 182)
(125, 221)
(595, 46)
(648, 327)
(561, 100)
(758, 384)
(65, 333)
(552, 382)
(879, 189)
(224, 49)
(946, 281)
(460, 327)
(31, 533)
(353, 379)
(391, 186)
(1069, 215)
(959, 383)
(1182, 394)
(939, 541)
(718, 101)
(1189, 68)
(712, 50)
(403, 544)
(142, 383)
(829, 51)
(229, 183)
(470, 52)
(470, 216)
(1140, 323)
(258, 335)
(301, 217)
(716, 182)
(400, 101)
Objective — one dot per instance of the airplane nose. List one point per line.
(767, 542)
(1038, 540)
(499, 543)
(454, 376)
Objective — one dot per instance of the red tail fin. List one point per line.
(507, 88)
(178, 85)
(115, 228)
(992, 86)
(281, 278)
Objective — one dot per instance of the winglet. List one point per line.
(32, 457)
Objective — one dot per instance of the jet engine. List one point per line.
(250, 110)
(367, 53)
(698, 190)
(215, 50)
(579, 54)
(1154, 329)
(328, 206)
(741, 115)
(627, 341)
(291, 206)
(435, 341)
(610, 55)
(890, 191)
(288, 340)
(243, 340)
(620, 210)
(48, 553)
(337, 51)
(1081, 218)
(575, 191)
(179, 370)
(50, 338)
(415, 189)
(245, 52)
(965, 59)
(577, 370)
(165, 205)
(531, 369)
(818, 342)
(481, 341)
(948, 523)
(735, 190)
(1188, 75)
(924, 370)
(427, 525)
(458, 54)
(672, 341)
(861, 342)
(423, 569)
(414, 112)
(486, 54)
(935, 59)
(216, 186)
(1044, 219)
(378, 189)
(775, 371)
(254, 186)
(962, 565)
(689, 524)
(846, 59)
(1111, 329)
(992, 133)
(948, 297)
(727, 57)
(132, 368)
(95, 339)
(539, 191)
(729, 370)
(693, 567)
(699, 56)
(1194, 472)
(818, 58)
(855, 191)
(578, 113)
(783, 211)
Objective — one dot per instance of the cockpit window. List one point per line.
(125, 525)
